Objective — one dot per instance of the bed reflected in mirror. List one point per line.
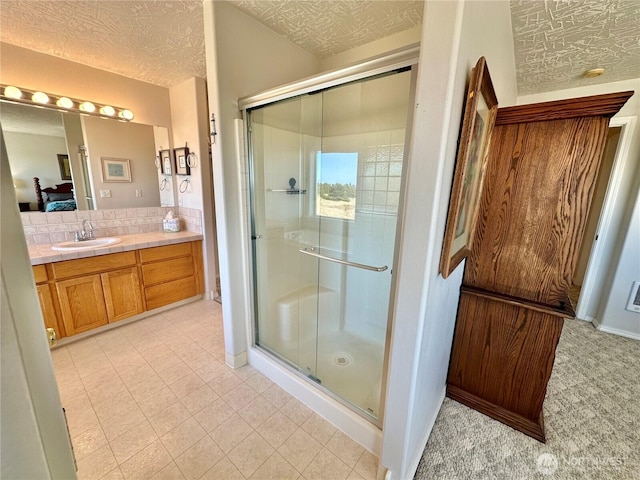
(63, 151)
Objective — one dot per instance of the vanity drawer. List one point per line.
(167, 270)
(40, 273)
(166, 293)
(89, 265)
(164, 252)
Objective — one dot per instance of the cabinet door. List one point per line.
(122, 293)
(81, 303)
(48, 310)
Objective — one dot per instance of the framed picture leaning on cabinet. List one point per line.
(480, 110)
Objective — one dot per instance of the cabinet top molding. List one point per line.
(605, 105)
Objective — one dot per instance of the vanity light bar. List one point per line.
(13, 94)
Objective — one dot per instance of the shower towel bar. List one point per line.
(343, 262)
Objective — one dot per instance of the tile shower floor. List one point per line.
(154, 399)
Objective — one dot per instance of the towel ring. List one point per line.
(192, 160)
(186, 183)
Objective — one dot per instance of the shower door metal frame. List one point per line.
(398, 59)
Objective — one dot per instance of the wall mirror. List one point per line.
(36, 138)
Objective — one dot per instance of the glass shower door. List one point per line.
(281, 138)
(326, 175)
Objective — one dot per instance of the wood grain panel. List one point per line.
(81, 303)
(540, 180)
(166, 293)
(40, 273)
(198, 265)
(122, 293)
(164, 252)
(167, 270)
(532, 428)
(598, 105)
(90, 265)
(504, 354)
(49, 311)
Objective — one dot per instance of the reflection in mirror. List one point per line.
(36, 137)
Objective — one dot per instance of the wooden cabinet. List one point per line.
(122, 294)
(171, 273)
(79, 295)
(541, 172)
(82, 303)
(49, 311)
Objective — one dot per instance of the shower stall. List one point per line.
(325, 170)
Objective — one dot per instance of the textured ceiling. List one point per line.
(162, 42)
(557, 41)
(28, 119)
(326, 28)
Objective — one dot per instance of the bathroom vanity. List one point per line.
(141, 274)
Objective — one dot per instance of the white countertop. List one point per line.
(40, 254)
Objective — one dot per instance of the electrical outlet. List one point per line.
(105, 193)
(138, 192)
(179, 201)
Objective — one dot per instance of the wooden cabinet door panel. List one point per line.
(168, 270)
(40, 273)
(48, 309)
(82, 304)
(166, 251)
(91, 265)
(166, 293)
(122, 293)
(540, 179)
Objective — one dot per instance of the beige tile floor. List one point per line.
(154, 399)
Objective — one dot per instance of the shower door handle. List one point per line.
(343, 262)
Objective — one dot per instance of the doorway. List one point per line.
(601, 230)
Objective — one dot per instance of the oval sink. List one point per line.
(86, 244)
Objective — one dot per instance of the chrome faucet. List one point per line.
(85, 234)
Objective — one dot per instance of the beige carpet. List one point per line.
(592, 418)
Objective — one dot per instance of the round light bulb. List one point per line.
(594, 72)
(87, 107)
(108, 110)
(40, 97)
(65, 102)
(126, 114)
(12, 92)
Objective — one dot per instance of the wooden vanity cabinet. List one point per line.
(171, 273)
(79, 295)
(48, 303)
(122, 294)
(82, 303)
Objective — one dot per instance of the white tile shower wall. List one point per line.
(55, 227)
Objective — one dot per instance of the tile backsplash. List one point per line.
(52, 227)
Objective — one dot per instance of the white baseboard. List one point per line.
(615, 331)
(235, 361)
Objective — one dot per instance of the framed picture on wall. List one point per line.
(480, 111)
(182, 164)
(165, 162)
(65, 168)
(115, 170)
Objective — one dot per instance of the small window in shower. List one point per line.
(336, 176)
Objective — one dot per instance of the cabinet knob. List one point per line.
(52, 337)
